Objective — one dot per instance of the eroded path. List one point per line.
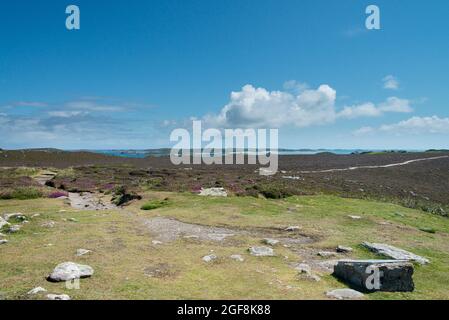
(375, 167)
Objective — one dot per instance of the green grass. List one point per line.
(154, 204)
(122, 247)
(22, 193)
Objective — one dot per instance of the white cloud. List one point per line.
(394, 104)
(416, 125)
(258, 107)
(300, 107)
(67, 114)
(391, 82)
(363, 131)
(94, 106)
(29, 104)
(369, 109)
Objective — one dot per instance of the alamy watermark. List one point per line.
(236, 146)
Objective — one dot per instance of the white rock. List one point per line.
(343, 249)
(237, 257)
(327, 254)
(35, 215)
(394, 253)
(17, 215)
(49, 224)
(355, 217)
(261, 251)
(3, 241)
(14, 228)
(292, 228)
(156, 242)
(344, 294)
(72, 220)
(3, 223)
(81, 252)
(69, 271)
(36, 290)
(58, 297)
(210, 258)
(303, 268)
(213, 192)
(270, 242)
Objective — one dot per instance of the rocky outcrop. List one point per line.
(394, 253)
(213, 192)
(261, 251)
(345, 294)
(376, 275)
(69, 271)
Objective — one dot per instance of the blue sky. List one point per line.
(137, 69)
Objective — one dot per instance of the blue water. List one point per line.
(166, 152)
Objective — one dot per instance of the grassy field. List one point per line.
(128, 266)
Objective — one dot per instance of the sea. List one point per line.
(166, 152)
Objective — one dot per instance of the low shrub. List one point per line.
(58, 194)
(154, 204)
(21, 193)
(122, 196)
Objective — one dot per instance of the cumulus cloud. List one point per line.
(258, 107)
(391, 82)
(417, 125)
(414, 125)
(369, 109)
(299, 106)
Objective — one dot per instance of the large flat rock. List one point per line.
(69, 271)
(376, 275)
(394, 253)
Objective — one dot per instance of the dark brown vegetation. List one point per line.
(423, 185)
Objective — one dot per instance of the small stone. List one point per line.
(343, 249)
(344, 294)
(213, 192)
(58, 297)
(156, 242)
(3, 241)
(14, 228)
(36, 290)
(49, 224)
(292, 228)
(327, 254)
(261, 251)
(237, 257)
(209, 258)
(82, 252)
(72, 220)
(49, 245)
(191, 237)
(3, 222)
(270, 242)
(35, 215)
(18, 216)
(69, 271)
(355, 217)
(303, 268)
